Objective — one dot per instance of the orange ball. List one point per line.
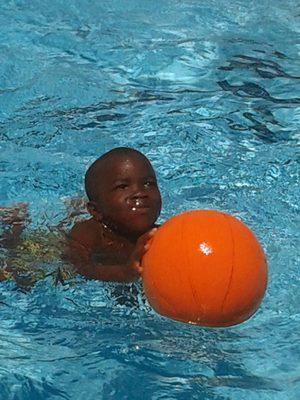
(205, 267)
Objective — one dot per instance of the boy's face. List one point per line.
(128, 198)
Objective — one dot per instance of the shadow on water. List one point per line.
(254, 91)
(46, 117)
(261, 113)
(266, 69)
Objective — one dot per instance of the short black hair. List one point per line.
(93, 171)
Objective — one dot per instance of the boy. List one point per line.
(124, 204)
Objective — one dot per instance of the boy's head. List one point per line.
(122, 190)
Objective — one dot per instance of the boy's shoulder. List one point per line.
(87, 233)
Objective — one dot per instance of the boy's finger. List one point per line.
(139, 269)
(152, 232)
(146, 247)
(141, 250)
(146, 236)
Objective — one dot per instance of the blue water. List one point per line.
(210, 92)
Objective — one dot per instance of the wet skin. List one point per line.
(109, 246)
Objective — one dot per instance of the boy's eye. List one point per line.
(150, 183)
(121, 186)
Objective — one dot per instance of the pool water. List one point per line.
(209, 91)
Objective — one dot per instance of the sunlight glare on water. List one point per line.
(209, 91)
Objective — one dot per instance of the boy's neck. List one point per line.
(115, 235)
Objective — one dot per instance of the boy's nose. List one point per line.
(139, 192)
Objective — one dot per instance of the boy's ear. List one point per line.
(93, 210)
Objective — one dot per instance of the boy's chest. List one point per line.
(110, 252)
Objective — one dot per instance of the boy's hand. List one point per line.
(142, 245)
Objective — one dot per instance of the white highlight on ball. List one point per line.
(205, 248)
